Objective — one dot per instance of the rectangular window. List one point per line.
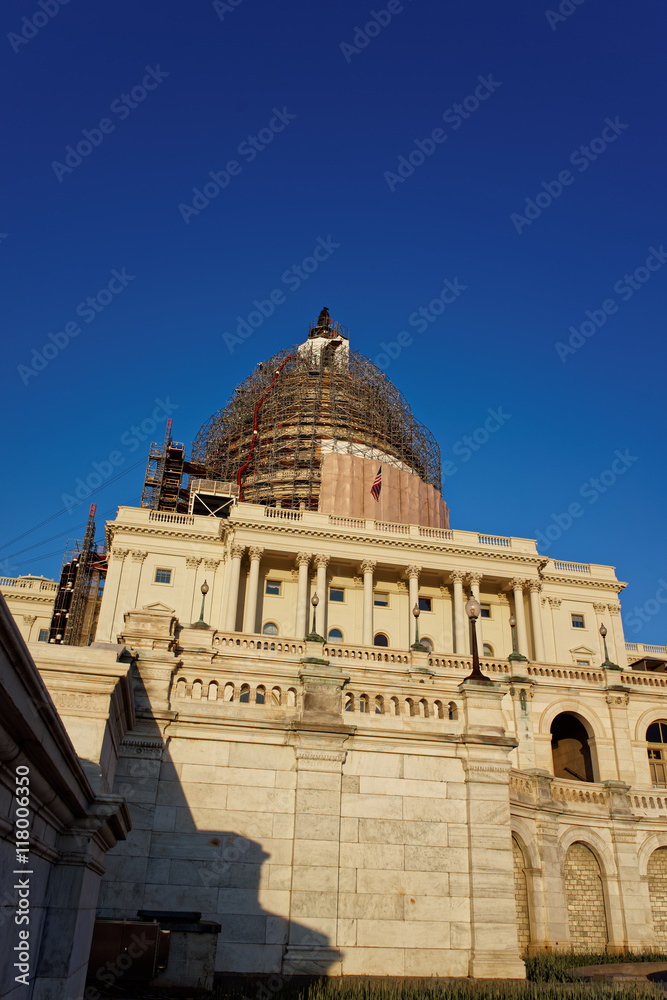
(486, 611)
(425, 604)
(43, 635)
(163, 576)
(583, 663)
(273, 587)
(578, 621)
(381, 600)
(336, 594)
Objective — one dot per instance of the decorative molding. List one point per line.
(534, 586)
(337, 755)
(474, 579)
(322, 561)
(445, 593)
(457, 576)
(599, 608)
(614, 609)
(555, 602)
(412, 572)
(212, 564)
(238, 551)
(138, 556)
(302, 559)
(192, 562)
(517, 584)
(401, 586)
(120, 554)
(618, 698)
(368, 566)
(358, 582)
(503, 599)
(30, 619)
(255, 553)
(142, 748)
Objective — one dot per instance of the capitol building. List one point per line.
(318, 729)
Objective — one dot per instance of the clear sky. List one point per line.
(502, 161)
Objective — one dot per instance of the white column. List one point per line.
(412, 574)
(214, 579)
(460, 643)
(368, 568)
(536, 620)
(250, 619)
(191, 609)
(105, 626)
(621, 656)
(301, 628)
(29, 621)
(321, 589)
(234, 578)
(520, 615)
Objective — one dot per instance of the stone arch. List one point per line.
(649, 846)
(590, 719)
(519, 864)
(572, 756)
(656, 877)
(585, 896)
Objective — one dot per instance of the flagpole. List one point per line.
(381, 498)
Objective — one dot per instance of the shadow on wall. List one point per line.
(190, 852)
(572, 758)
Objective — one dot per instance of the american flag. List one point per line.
(377, 484)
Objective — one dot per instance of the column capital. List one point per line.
(191, 562)
(614, 609)
(599, 608)
(555, 602)
(255, 553)
(368, 566)
(457, 576)
(534, 586)
(302, 558)
(474, 578)
(322, 561)
(212, 564)
(120, 554)
(30, 619)
(517, 584)
(138, 556)
(237, 551)
(412, 572)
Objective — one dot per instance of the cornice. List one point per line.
(27, 597)
(162, 532)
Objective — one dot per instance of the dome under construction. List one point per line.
(284, 431)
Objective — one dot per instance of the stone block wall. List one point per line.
(585, 900)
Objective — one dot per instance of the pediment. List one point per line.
(158, 606)
(583, 651)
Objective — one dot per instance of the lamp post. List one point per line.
(515, 654)
(201, 623)
(473, 611)
(607, 662)
(417, 645)
(313, 636)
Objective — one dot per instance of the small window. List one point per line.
(163, 576)
(425, 604)
(487, 649)
(656, 734)
(381, 600)
(335, 635)
(583, 663)
(486, 611)
(380, 640)
(43, 635)
(425, 641)
(336, 594)
(270, 629)
(273, 588)
(578, 621)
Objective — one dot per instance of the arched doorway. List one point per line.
(657, 890)
(521, 897)
(586, 915)
(570, 751)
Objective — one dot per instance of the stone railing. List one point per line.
(358, 701)
(237, 694)
(649, 803)
(643, 678)
(174, 524)
(366, 654)
(642, 647)
(571, 567)
(16, 583)
(252, 644)
(543, 790)
(164, 517)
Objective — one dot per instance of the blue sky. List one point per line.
(534, 199)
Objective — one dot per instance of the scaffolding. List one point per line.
(325, 398)
(79, 593)
(164, 474)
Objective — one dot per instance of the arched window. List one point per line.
(487, 649)
(270, 628)
(656, 737)
(569, 748)
(349, 702)
(196, 689)
(245, 694)
(335, 635)
(380, 639)
(363, 702)
(228, 694)
(291, 697)
(438, 710)
(425, 641)
(276, 696)
(452, 710)
(422, 708)
(409, 706)
(181, 686)
(213, 691)
(260, 695)
(393, 706)
(379, 705)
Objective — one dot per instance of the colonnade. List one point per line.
(460, 582)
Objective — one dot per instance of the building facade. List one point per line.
(30, 600)
(311, 763)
